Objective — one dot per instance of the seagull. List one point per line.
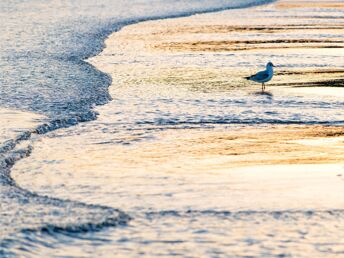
(263, 76)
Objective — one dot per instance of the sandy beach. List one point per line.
(204, 163)
(278, 30)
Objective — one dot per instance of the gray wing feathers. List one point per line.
(260, 76)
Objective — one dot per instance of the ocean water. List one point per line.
(71, 189)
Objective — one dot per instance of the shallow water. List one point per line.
(142, 154)
(43, 44)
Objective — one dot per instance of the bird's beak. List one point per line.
(274, 65)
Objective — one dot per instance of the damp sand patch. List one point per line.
(143, 65)
(141, 156)
(270, 167)
(307, 50)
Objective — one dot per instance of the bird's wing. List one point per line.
(260, 75)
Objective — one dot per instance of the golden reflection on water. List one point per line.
(131, 170)
(117, 162)
(185, 166)
(177, 51)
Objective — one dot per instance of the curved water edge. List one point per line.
(73, 109)
(164, 176)
(90, 115)
(67, 216)
(163, 217)
(108, 217)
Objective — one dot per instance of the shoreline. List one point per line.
(316, 81)
(146, 37)
(150, 155)
(44, 125)
(131, 61)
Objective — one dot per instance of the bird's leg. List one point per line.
(263, 86)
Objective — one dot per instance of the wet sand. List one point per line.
(303, 163)
(143, 64)
(163, 152)
(278, 31)
(289, 30)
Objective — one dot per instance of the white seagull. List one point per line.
(263, 76)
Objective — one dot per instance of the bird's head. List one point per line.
(270, 65)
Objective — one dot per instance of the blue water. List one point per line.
(42, 48)
(43, 44)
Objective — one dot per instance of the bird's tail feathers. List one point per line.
(247, 78)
